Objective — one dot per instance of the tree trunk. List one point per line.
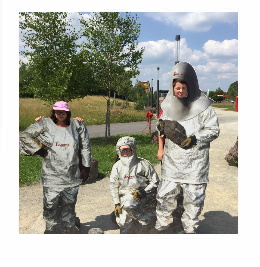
(107, 133)
(108, 117)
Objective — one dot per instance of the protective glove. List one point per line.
(139, 194)
(160, 127)
(189, 142)
(117, 210)
(84, 173)
(42, 152)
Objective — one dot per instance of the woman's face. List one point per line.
(61, 115)
(180, 90)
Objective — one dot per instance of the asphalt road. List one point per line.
(94, 205)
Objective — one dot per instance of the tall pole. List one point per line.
(177, 39)
(158, 93)
(152, 94)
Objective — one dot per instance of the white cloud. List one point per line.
(194, 21)
(225, 48)
(212, 74)
(216, 67)
(161, 50)
(216, 74)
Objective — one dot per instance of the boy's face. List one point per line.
(125, 151)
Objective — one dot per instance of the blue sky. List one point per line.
(209, 42)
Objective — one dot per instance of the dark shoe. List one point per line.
(181, 232)
(72, 230)
(155, 231)
(55, 230)
(49, 232)
(77, 222)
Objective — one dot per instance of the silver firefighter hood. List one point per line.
(186, 108)
(127, 140)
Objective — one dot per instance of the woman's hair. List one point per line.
(53, 117)
(179, 80)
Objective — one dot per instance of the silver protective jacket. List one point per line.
(191, 165)
(130, 173)
(190, 106)
(60, 168)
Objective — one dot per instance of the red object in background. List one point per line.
(149, 115)
(160, 114)
(236, 103)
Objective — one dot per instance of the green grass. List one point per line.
(29, 170)
(103, 150)
(91, 108)
(226, 106)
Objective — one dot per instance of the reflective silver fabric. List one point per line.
(43, 140)
(61, 166)
(191, 165)
(59, 208)
(189, 107)
(193, 202)
(186, 168)
(128, 174)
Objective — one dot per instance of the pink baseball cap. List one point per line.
(61, 105)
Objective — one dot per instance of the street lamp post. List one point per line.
(158, 92)
(152, 94)
(177, 39)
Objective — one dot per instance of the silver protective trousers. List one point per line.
(193, 202)
(59, 207)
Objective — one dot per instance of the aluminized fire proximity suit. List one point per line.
(60, 175)
(127, 175)
(186, 168)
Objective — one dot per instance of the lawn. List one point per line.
(91, 108)
(225, 105)
(103, 150)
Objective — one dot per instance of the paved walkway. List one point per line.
(121, 128)
(94, 206)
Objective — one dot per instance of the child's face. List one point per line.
(180, 90)
(61, 115)
(125, 151)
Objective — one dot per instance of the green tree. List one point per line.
(125, 87)
(25, 78)
(217, 95)
(233, 90)
(219, 91)
(138, 95)
(112, 42)
(50, 46)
